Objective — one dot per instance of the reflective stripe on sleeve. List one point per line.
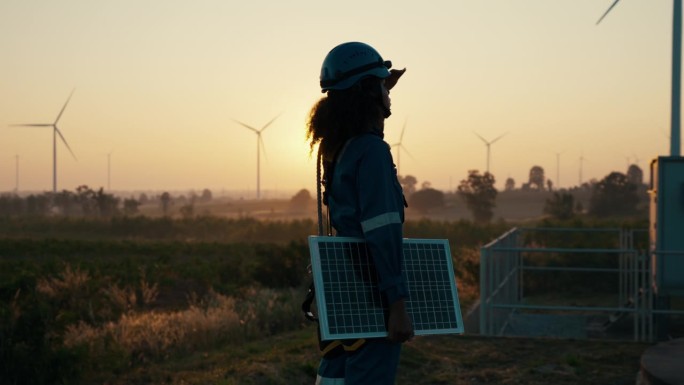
(329, 381)
(380, 220)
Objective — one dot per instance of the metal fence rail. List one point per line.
(503, 264)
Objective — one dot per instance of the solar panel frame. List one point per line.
(349, 302)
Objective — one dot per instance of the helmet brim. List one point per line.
(379, 72)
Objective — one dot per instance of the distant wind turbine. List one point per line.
(581, 164)
(675, 100)
(489, 144)
(55, 132)
(400, 147)
(260, 142)
(16, 174)
(109, 171)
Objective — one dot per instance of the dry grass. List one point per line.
(292, 358)
(206, 323)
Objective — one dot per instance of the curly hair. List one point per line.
(343, 114)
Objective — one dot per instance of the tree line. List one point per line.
(616, 195)
(91, 203)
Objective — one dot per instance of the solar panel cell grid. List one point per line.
(351, 306)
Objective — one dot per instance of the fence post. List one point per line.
(484, 296)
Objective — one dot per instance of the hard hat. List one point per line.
(348, 63)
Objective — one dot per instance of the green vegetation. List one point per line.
(479, 194)
(190, 300)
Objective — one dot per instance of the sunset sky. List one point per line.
(158, 85)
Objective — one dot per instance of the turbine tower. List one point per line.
(400, 147)
(675, 99)
(489, 144)
(16, 174)
(260, 142)
(109, 171)
(55, 132)
(581, 165)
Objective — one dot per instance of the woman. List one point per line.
(365, 199)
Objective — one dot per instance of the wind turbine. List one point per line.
(488, 144)
(260, 142)
(400, 147)
(109, 171)
(581, 164)
(675, 100)
(558, 154)
(16, 174)
(55, 132)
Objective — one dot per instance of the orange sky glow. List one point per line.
(159, 85)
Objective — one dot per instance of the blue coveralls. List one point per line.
(366, 201)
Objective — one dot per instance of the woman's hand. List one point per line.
(400, 327)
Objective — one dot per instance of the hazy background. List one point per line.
(158, 84)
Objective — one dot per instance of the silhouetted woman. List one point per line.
(364, 198)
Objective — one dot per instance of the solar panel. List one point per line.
(348, 299)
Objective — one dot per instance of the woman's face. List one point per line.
(386, 101)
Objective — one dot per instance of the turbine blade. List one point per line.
(65, 142)
(31, 125)
(401, 137)
(269, 123)
(498, 137)
(402, 147)
(483, 139)
(246, 126)
(63, 108)
(263, 147)
(606, 13)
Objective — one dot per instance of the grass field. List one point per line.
(215, 300)
(291, 358)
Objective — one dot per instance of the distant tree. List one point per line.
(207, 196)
(130, 206)
(37, 205)
(143, 199)
(11, 205)
(84, 198)
(560, 206)
(635, 175)
(65, 202)
(192, 196)
(180, 199)
(510, 184)
(549, 185)
(408, 184)
(614, 195)
(188, 209)
(426, 199)
(479, 194)
(536, 180)
(589, 186)
(301, 200)
(107, 204)
(165, 200)
(96, 203)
